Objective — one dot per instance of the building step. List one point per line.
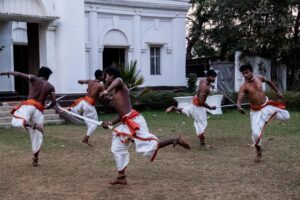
(47, 117)
(51, 117)
(7, 113)
(47, 122)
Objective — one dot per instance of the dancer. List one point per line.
(133, 127)
(29, 114)
(197, 109)
(262, 109)
(86, 105)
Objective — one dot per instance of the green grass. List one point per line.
(72, 170)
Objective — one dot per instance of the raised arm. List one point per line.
(83, 81)
(115, 84)
(19, 74)
(273, 86)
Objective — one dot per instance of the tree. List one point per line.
(201, 12)
(257, 27)
(266, 28)
(131, 75)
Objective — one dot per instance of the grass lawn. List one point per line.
(72, 170)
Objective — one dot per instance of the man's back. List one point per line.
(94, 89)
(39, 89)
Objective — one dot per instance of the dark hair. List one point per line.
(113, 71)
(44, 72)
(98, 73)
(245, 67)
(211, 72)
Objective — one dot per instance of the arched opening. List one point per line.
(115, 48)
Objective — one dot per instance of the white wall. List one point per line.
(142, 24)
(69, 47)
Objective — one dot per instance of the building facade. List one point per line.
(76, 37)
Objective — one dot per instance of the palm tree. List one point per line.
(131, 75)
(132, 78)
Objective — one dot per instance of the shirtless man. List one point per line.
(86, 105)
(133, 127)
(197, 109)
(29, 114)
(262, 109)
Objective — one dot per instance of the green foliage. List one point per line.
(261, 27)
(192, 79)
(291, 99)
(296, 86)
(131, 75)
(158, 99)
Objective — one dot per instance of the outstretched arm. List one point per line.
(83, 81)
(18, 74)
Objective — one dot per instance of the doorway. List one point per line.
(26, 57)
(21, 65)
(113, 56)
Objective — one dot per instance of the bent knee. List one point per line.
(284, 116)
(17, 123)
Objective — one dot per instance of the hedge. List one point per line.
(163, 99)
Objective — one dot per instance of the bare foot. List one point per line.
(258, 156)
(120, 180)
(182, 142)
(170, 109)
(205, 146)
(35, 162)
(86, 140)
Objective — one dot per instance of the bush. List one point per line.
(158, 99)
(163, 99)
(296, 86)
(291, 99)
(192, 79)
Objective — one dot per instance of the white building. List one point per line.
(76, 37)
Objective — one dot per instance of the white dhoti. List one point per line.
(145, 142)
(30, 114)
(198, 113)
(260, 118)
(87, 110)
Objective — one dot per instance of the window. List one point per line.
(155, 60)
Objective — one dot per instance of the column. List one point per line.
(47, 50)
(6, 56)
(177, 50)
(137, 37)
(93, 43)
(100, 56)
